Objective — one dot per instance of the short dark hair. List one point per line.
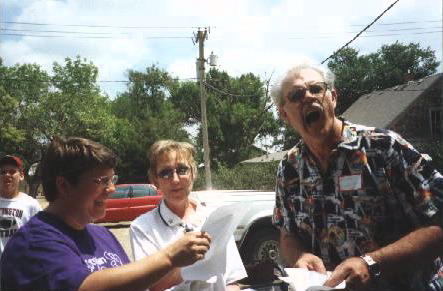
(70, 158)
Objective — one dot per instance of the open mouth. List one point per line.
(313, 115)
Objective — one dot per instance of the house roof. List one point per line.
(381, 108)
(266, 158)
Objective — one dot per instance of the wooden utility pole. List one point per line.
(200, 38)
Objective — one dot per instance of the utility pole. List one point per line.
(200, 38)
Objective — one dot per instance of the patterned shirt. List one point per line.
(377, 189)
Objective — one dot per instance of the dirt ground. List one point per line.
(120, 230)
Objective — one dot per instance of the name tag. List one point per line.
(350, 182)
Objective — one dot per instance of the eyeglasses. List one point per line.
(169, 173)
(105, 180)
(317, 89)
(11, 172)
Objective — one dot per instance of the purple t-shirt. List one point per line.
(47, 254)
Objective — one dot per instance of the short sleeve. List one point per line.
(413, 174)
(44, 265)
(234, 266)
(140, 243)
(279, 219)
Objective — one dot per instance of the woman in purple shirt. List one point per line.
(59, 249)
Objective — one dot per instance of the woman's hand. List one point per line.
(189, 248)
(311, 262)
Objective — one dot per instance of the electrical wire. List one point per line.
(93, 37)
(108, 35)
(358, 34)
(103, 26)
(226, 93)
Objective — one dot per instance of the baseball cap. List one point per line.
(7, 160)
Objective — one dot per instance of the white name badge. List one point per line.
(350, 182)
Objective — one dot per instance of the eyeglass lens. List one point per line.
(299, 93)
(169, 173)
(104, 181)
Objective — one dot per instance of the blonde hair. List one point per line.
(185, 151)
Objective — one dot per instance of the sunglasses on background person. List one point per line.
(317, 89)
(168, 174)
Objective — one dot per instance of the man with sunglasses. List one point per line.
(355, 200)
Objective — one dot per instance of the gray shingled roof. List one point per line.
(266, 158)
(380, 108)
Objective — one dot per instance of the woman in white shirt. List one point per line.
(172, 169)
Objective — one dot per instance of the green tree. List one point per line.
(146, 115)
(238, 114)
(390, 65)
(68, 104)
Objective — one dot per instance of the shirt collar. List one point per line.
(349, 141)
(170, 218)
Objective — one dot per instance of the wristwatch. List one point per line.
(373, 266)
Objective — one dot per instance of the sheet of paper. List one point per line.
(301, 279)
(220, 224)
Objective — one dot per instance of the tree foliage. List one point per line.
(390, 65)
(68, 103)
(238, 114)
(146, 115)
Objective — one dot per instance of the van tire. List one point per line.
(260, 244)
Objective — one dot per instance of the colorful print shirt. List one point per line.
(377, 189)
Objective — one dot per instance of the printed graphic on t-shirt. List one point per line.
(8, 221)
(108, 260)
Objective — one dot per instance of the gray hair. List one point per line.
(294, 72)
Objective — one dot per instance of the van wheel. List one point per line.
(262, 245)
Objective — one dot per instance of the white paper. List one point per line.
(220, 224)
(301, 279)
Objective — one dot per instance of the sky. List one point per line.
(264, 37)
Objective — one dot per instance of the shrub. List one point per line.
(254, 176)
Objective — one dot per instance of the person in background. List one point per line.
(173, 171)
(356, 200)
(16, 208)
(59, 248)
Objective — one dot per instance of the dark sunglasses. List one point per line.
(169, 173)
(316, 89)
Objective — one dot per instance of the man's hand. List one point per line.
(188, 249)
(354, 271)
(311, 262)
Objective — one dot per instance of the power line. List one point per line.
(186, 37)
(128, 34)
(402, 22)
(358, 34)
(102, 26)
(226, 93)
(97, 81)
(184, 27)
(373, 35)
(92, 37)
